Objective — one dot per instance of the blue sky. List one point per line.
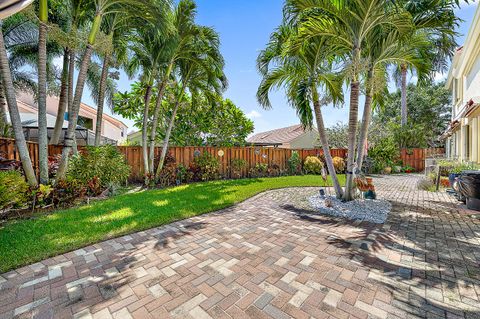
(244, 28)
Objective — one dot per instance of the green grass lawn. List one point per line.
(26, 241)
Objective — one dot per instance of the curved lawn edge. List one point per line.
(23, 242)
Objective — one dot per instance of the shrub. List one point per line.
(259, 170)
(339, 164)
(13, 189)
(104, 163)
(208, 167)
(294, 164)
(384, 154)
(237, 164)
(312, 165)
(168, 174)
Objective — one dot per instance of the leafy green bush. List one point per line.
(13, 189)
(259, 170)
(294, 164)
(237, 164)
(312, 165)
(384, 154)
(339, 164)
(208, 166)
(104, 163)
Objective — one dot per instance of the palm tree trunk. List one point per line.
(352, 130)
(20, 141)
(153, 133)
(148, 96)
(3, 112)
(367, 114)
(71, 73)
(325, 146)
(404, 94)
(42, 98)
(167, 135)
(101, 100)
(73, 117)
(62, 103)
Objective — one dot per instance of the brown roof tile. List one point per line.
(281, 135)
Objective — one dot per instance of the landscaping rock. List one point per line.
(374, 211)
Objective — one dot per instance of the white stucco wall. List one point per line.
(472, 81)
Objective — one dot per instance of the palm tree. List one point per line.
(199, 70)
(435, 20)
(102, 8)
(147, 57)
(42, 92)
(348, 26)
(15, 114)
(302, 73)
(175, 47)
(390, 49)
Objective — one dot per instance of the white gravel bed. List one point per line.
(370, 210)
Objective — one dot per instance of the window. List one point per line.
(455, 90)
(85, 122)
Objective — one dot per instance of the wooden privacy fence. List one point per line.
(186, 155)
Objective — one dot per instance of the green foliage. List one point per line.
(339, 164)
(259, 170)
(312, 165)
(237, 165)
(457, 167)
(294, 164)
(208, 166)
(13, 189)
(429, 107)
(104, 163)
(384, 154)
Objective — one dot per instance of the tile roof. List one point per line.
(281, 135)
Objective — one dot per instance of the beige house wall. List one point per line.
(308, 140)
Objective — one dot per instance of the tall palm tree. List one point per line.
(390, 49)
(175, 47)
(302, 73)
(435, 20)
(147, 58)
(15, 114)
(348, 25)
(199, 70)
(42, 92)
(102, 8)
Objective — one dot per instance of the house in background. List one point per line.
(463, 134)
(113, 130)
(292, 137)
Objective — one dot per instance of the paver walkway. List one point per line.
(270, 257)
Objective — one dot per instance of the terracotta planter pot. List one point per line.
(387, 170)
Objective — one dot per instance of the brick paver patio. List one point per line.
(270, 257)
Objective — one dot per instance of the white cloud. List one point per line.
(253, 115)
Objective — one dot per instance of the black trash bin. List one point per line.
(469, 186)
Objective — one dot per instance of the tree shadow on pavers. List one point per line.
(312, 215)
(429, 263)
(176, 232)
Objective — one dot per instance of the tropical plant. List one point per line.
(294, 164)
(201, 70)
(16, 122)
(13, 189)
(103, 8)
(436, 21)
(384, 154)
(312, 165)
(339, 165)
(104, 163)
(208, 166)
(302, 72)
(348, 28)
